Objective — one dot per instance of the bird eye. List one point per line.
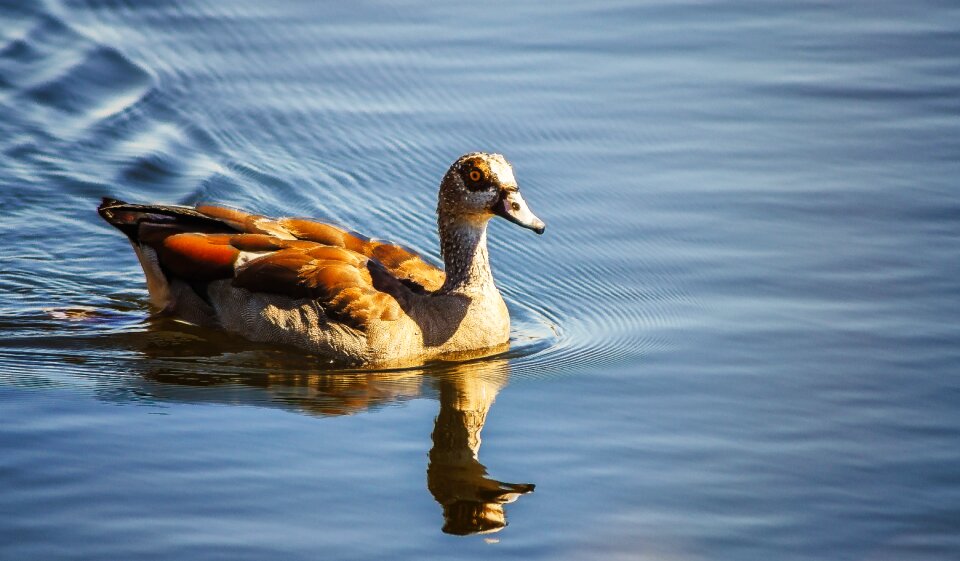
(475, 175)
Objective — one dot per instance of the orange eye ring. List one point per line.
(475, 175)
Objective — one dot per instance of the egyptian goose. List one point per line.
(339, 295)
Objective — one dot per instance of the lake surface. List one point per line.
(739, 337)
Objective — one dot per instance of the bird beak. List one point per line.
(512, 207)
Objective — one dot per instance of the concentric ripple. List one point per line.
(182, 102)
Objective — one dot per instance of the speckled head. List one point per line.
(478, 186)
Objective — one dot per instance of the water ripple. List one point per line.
(291, 139)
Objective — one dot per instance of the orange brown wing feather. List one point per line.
(198, 257)
(340, 281)
(354, 278)
(237, 219)
(401, 262)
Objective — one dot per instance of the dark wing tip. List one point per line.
(107, 202)
(106, 207)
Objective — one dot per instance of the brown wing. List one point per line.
(351, 288)
(398, 261)
(356, 280)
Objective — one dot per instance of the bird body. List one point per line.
(334, 293)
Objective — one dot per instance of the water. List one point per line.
(738, 338)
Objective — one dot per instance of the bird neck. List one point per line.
(463, 244)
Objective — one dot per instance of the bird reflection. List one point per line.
(471, 502)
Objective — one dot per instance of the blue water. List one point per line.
(738, 338)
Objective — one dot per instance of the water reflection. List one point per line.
(471, 501)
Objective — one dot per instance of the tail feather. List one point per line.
(147, 226)
(128, 217)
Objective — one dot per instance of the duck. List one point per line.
(336, 294)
